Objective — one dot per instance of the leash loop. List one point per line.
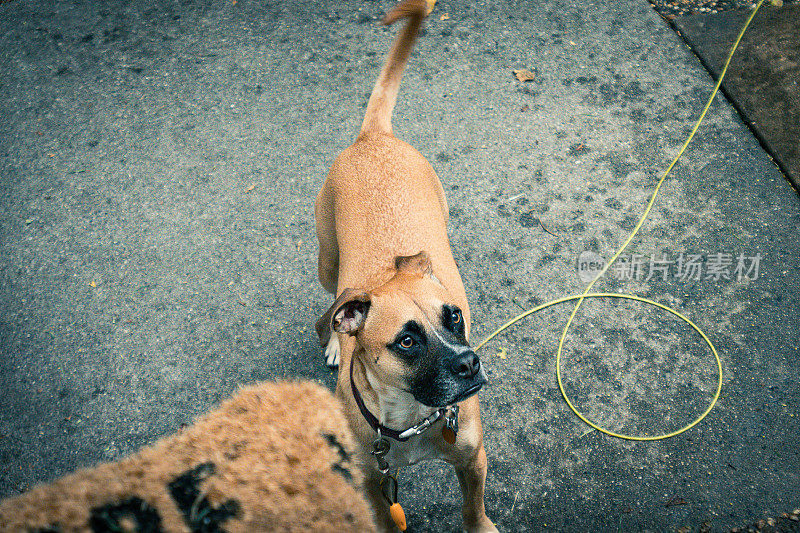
(587, 294)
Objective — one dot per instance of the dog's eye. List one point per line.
(452, 319)
(406, 342)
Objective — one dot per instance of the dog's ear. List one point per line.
(350, 316)
(414, 264)
(346, 315)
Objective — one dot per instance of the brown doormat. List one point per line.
(762, 80)
(277, 457)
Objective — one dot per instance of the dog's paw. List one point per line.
(484, 526)
(486, 529)
(332, 351)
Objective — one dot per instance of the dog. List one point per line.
(400, 325)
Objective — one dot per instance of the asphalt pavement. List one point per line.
(158, 166)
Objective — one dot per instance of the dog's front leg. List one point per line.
(472, 478)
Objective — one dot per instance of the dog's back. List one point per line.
(398, 193)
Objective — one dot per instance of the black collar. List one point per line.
(401, 436)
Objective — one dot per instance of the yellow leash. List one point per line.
(587, 294)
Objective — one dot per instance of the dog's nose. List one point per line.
(467, 365)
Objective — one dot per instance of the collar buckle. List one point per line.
(422, 426)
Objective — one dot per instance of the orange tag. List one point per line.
(399, 517)
(448, 435)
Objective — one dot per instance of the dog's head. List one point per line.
(410, 334)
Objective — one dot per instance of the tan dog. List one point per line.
(401, 316)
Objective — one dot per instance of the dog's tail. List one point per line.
(384, 95)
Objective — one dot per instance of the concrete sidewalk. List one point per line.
(158, 166)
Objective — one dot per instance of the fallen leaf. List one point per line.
(502, 354)
(92, 284)
(677, 500)
(524, 75)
